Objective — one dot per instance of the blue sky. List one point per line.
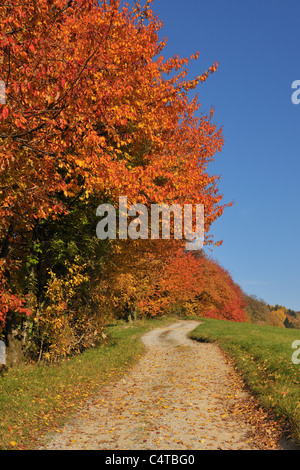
(256, 44)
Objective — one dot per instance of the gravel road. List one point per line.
(180, 395)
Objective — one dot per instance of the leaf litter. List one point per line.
(180, 395)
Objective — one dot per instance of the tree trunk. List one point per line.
(13, 340)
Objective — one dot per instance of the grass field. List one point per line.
(36, 399)
(263, 355)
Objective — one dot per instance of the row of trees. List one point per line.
(258, 311)
(93, 112)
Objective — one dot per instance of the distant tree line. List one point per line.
(262, 313)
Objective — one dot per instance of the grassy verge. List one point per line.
(263, 355)
(37, 399)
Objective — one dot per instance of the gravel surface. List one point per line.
(180, 395)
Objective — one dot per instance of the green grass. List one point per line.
(263, 355)
(37, 399)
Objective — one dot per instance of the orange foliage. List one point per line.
(201, 280)
(8, 301)
(92, 106)
(154, 283)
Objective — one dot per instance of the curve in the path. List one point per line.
(180, 395)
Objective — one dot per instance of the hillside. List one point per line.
(259, 312)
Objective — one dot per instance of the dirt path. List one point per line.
(181, 395)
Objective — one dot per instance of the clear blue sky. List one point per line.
(256, 44)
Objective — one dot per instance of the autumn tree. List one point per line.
(173, 281)
(257, 310)
(93, 111)
(204, 287)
